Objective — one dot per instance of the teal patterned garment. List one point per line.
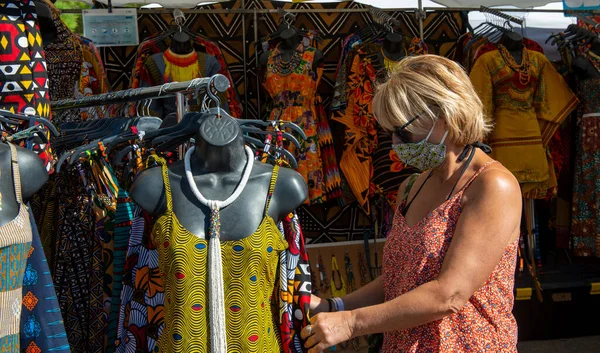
(15, 242)
(121, 235)
(42, 328)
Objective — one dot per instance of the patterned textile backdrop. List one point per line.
(320, 223)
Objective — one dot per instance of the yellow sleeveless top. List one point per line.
(249, 273)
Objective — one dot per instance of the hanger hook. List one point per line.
(213, 96)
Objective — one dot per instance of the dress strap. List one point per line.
(165, 174)
(16, 173)
(271, 188)
(487, 164)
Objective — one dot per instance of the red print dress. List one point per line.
(414, 256)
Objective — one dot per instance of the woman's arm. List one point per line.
(490, 218)
(370, 294)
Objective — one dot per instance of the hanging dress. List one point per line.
(15, 243)
(293, 87)
(250, 267)
(585, 228)
(527, 103)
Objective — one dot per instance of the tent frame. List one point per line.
(420, 11)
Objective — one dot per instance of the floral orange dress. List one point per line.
(293, 87)
(413, 255)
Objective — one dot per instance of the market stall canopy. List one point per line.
(476, 3)
(376, 3)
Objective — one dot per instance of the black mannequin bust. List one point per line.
(181, 44)
(217, 171)
(290, 40)
(582, 67)
(33, 177)
(393, 47)
(45, 21)
(513, 42)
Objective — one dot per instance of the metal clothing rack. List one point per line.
(219, 82)
(500, 14)
(379, 14)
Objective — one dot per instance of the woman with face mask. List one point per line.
(449, 260)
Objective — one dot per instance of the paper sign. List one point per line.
(116, 28)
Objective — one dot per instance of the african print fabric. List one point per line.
(250, 265)
(369, 166)
(93, 78)
(484, 324)
(42, 327)
(15, 245)
(585, 228)
(23, 78)
(168, 67)
(527, 105)
(159, 44)
(64, 58)
(292, 87)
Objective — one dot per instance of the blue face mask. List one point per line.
(422, 155)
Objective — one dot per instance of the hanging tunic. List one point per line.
(250, 267)
(170, 67)
(585, 228)
(526, 108)
(15, 244)
(484, 324)
(293, 88)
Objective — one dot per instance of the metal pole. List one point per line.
(220, 83)
(256, 46)
(245, 64)
(421, 16)
(180, 105)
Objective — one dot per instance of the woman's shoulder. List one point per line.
(493, 180)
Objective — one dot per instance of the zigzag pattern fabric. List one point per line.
(23, 78)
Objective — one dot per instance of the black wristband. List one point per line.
(330, 301)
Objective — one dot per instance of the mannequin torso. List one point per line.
(217, 171)
(33, 177)
(514, 44)
(583, 67)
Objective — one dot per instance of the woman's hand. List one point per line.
(318, 305)
(327, 330)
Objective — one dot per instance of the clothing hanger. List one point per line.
(286, 135)
(16, 119)
(260, 144)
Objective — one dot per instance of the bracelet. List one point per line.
(330, 301)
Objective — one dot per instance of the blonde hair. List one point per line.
(433, 88)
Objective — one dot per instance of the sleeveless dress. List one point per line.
(293, 87)
(249, 274)
(15, 243)
(414, 255)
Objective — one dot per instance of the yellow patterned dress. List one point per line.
(527, 103)
(249, 274)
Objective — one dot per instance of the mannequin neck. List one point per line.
(213, 159)
(393, 44)
(180, 44)
(513, 42)
(290, 43)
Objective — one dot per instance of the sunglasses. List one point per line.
(401, 134)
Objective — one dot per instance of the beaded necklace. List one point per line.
(284, 68)
(523, 69)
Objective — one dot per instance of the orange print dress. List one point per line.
(413, 255)
(293, 87)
